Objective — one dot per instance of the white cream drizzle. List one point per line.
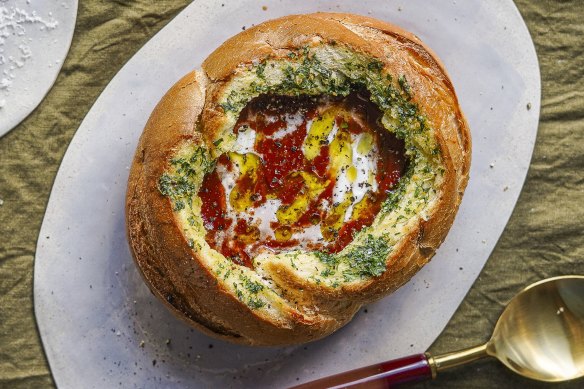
(265, 214)
(309, 234)
(245, 140)
(293, 121)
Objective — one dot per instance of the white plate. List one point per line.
(92, 307)
(35, 36)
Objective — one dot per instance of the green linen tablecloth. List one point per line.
(543, 237)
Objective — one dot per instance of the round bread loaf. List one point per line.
(290, 282)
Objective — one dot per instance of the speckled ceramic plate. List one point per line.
(35, 36)
(100, 325)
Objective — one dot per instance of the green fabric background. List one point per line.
(543, 237)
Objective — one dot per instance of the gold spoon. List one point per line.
(540, 335)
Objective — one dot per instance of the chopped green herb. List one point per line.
(368, 259)
(179, 185)
(260, 69)
(178, 205)
(252, 286)
(326, 258)
(403, 82)
(327, 272)
(255, 303)
(375, 65)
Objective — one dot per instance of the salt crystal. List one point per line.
(5, 83)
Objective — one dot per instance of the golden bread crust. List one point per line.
(190, 113)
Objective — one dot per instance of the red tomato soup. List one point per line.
(305, 173)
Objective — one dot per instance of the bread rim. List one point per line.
(295, 310)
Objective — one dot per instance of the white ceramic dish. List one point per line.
(100, 325)
(35, 36)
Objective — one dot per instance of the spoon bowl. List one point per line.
(540, 334)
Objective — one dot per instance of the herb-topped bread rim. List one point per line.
(295, 296)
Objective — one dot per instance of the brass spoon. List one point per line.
(540, 335)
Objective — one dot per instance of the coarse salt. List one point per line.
(14, 42)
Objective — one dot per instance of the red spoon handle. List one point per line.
(382, 375)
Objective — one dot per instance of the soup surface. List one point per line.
(306, 173)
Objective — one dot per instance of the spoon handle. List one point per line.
(381, 375)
